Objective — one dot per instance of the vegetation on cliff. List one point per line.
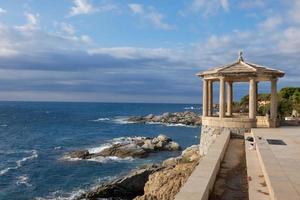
(288, 102)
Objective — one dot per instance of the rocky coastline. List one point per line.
(151, 182)
(136, 147)
(187, 118)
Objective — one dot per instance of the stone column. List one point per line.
(252, 99)
(222, 98)
(204, 100)
(229, 98)
(210, 98)
(273, 109)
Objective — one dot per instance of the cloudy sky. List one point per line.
(139, 51)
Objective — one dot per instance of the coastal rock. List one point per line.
(137, 147)
(82, 154)
(124, 150)
(185, 118)
(166, 183)
(126, 187)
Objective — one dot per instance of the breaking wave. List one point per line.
(19, 163)
(23, 180)
(101, 119)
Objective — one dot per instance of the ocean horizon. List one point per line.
(35, 136)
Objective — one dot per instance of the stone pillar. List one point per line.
(229, 98)
(222, 98)
(204, 100)
(273, 108)
(210, 98)
(252, 99)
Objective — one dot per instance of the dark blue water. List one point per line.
(35, 136)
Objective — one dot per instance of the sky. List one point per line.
(139, 51)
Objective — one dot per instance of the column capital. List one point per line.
(274, 79)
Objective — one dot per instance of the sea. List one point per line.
(36, 136)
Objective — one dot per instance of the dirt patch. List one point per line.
(231, 181)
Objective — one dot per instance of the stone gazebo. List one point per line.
(239, 71)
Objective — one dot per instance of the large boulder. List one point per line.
(124, 150)
(172, 146)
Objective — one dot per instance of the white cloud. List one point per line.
(210, 7)
(31, 24)
(67, 28)
(271, 23)
(136, 8)
(249, 4)
(81, 7)
(85, 39)
(153, 16)
(294, 13)
(85, 7)
(133, 52)
(2, 11)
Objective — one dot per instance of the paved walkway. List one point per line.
(280, 164)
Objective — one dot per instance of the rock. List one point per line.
(137, 147)
(190, 154)
(148, 146)
(150, 116)
(172, 146)
(166, 115)
(124, 150)
(163, 138)
(82, 154)
(126, 187)
(166, 183)
(187, 118)
(171, 162)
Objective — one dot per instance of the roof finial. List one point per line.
(240, 56)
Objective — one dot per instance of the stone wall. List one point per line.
(209, 135)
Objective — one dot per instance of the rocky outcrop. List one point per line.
(166, 183)
(185, 118)
(151, 182)
(126, 187)
(137, 147)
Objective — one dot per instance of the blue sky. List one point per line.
(139, 51)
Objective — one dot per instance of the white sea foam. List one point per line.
(101, 119)
(19, 163)
(23, 180)
(3, 125)
(102, 159)
(181, 125)
(59, 195)
(168, 124)
(122, 120)
(100, 148)
(191, 108)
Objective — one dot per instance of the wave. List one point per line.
(23, 180)
(59, 195)
(122, 120)
(100, 148)
(19, 163)
(169, 124)
(76, 193)
(192, 108)
(102, 159)
(3, 125)
(101, 119)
